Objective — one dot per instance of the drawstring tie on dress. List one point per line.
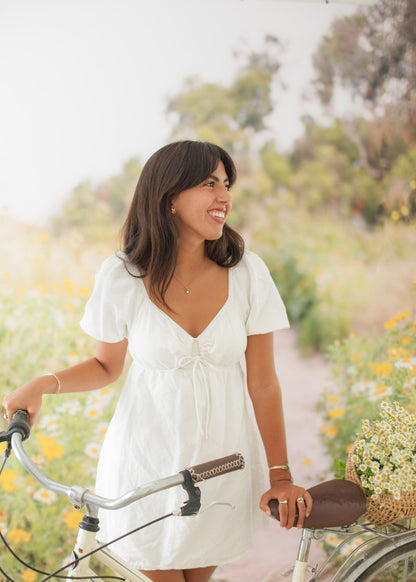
(200, 388)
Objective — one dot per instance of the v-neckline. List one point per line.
(176, 324)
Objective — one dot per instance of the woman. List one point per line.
(189, 303)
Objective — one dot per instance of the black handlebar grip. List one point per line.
(216, 467)
(19, 423)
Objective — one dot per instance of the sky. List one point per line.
(84, 83)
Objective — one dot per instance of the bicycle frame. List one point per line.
(378, 544)
(87, 543)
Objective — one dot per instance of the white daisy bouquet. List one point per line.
(385, 453)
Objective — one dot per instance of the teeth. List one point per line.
(217, 213)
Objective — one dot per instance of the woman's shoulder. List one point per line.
(253, 264)
(118, 265)
(118, 276)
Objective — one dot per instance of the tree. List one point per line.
(231, 114)
(98, 212)
(236, 117)
(372, 55)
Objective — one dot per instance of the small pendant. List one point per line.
(187, 291)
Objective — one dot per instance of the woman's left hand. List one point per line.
(292, 499)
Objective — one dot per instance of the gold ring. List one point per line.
(300, 500)
(283, 501)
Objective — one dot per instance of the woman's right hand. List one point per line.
(28, 397)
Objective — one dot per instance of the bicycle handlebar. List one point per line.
(19, 430)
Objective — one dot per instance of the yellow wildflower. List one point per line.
(380, 390)
(69, 288)
(395, 215)
(390, 324)
(332, 431)
(333, 399)
(42, 288)
(28, 575)
(406, 340)
(383, 369)
(332, 539)
(49, 448)
(386, 368)
(18, 535)
(336, 412)
(306, 461)
(393, 353)
(8, 478)
(91, 411)
(72, 519)
(356, 357)
(404, 210)
(6, 276)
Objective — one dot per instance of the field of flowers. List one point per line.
(366, 371)
(336, 275)
(43, 290)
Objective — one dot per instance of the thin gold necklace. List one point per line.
(187, 288)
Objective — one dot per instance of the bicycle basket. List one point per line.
(385, 509)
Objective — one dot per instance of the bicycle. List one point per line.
(386, 554)
(87, 545)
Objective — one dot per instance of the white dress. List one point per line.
(184, 402)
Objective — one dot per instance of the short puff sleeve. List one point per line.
(267, 311)
(113, 302)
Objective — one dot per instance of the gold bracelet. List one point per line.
(283, 467)
(57, 379)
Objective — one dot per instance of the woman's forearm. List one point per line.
(91, 374)
(267, 404)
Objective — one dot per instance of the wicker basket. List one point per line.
(385, 509)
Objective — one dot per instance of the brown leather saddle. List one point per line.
(336, 503)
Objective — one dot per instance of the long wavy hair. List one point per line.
(150, 236)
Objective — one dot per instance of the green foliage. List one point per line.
(39, 331)
(297, 288)
(371, 55)
(367, 197)
(325, 322)
(369, 49)
(229, 114)
(367, 370)
(98, 212)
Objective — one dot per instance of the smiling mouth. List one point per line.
(217, 213)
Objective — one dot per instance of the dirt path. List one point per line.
(302, 380)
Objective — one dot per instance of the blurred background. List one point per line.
(316, 103)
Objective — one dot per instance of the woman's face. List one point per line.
(201, 211)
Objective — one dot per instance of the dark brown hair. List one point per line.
(150, 237)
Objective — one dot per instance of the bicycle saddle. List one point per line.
(336, 503)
